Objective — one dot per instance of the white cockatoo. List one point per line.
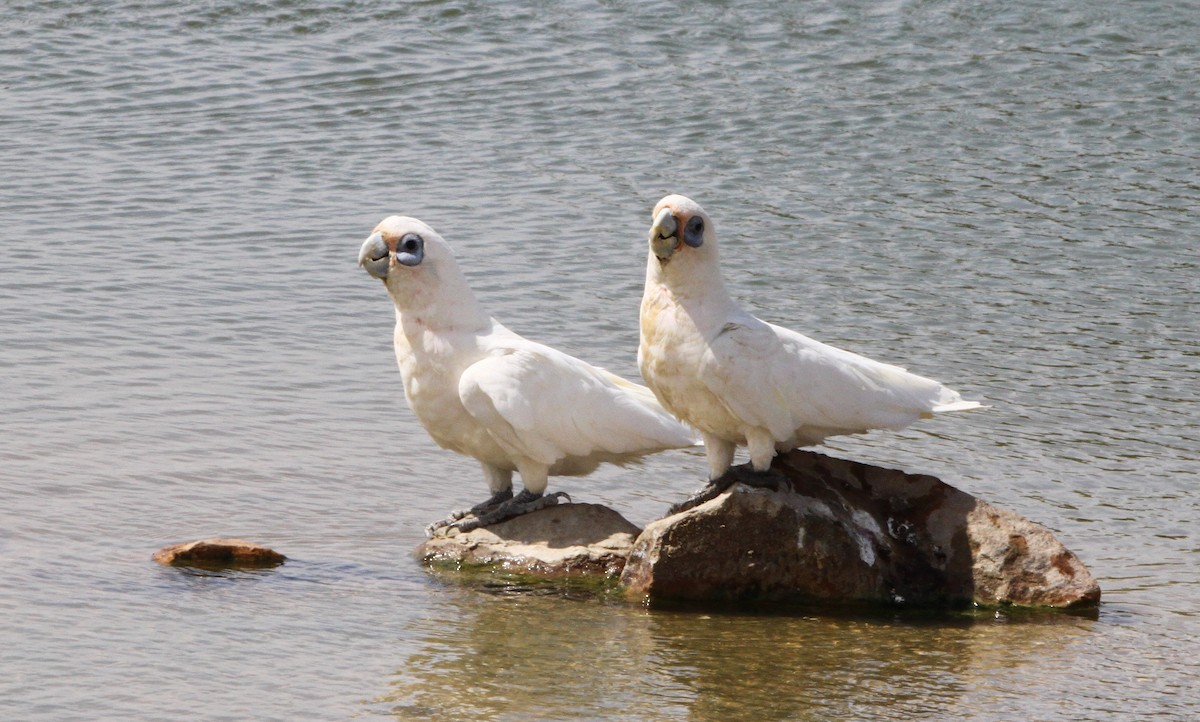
(483, 391)
(743, 381)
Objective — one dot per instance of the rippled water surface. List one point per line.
(1003, 196)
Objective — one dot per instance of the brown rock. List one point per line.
(558, 541)
(854, 532)
(219, 554)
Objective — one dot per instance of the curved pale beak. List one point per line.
(374, 256)
(664, 234)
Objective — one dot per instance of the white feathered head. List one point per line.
(418, 268)
(683, 243)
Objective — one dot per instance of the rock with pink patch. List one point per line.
(852, 532)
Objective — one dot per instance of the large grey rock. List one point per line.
(854, 532)
(566, 540)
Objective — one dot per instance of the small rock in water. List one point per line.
(565, 540)
(219, 554)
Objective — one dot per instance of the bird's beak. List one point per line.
(374, 256)
(664, 235)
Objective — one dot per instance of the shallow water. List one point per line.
(1003, 198)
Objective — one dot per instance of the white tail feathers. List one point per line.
(958, 406)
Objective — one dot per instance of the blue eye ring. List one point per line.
(410, 249)
(693, 232)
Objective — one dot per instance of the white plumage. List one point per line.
(486, 392)
(743, 381)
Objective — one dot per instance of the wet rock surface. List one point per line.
(845, 532)
(219, 554)
(558, 541)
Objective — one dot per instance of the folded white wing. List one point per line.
(547, 406)
(799, 387)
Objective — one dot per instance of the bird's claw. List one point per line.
(495, 500)
(481, 515)
(709, 492)
(548, 500)
(742, 474)
(769, 479)
(453, 518)
(435, 527)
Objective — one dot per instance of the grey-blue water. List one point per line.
(1003, 196)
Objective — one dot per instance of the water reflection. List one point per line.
(539, 657)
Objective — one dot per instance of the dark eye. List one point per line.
(693, 232)
(410, 250)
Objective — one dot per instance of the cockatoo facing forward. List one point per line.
(483, 391)
(743, 381)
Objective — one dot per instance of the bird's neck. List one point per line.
(442, 304)
(698, 288)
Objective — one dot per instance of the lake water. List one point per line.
(1004, 197)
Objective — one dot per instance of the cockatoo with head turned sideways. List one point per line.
(743, 381)
(483, 391)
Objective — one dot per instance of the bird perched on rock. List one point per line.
(483, 391)
(743, 381)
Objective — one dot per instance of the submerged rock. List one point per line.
(854, 532)
(844, 533)
(218, 554)
(558, 541)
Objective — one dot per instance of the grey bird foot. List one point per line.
(482, 507)
(742, 474)
(493, 502)
(522, 503)
(710, 491)
(769, 479)
(501, 507)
